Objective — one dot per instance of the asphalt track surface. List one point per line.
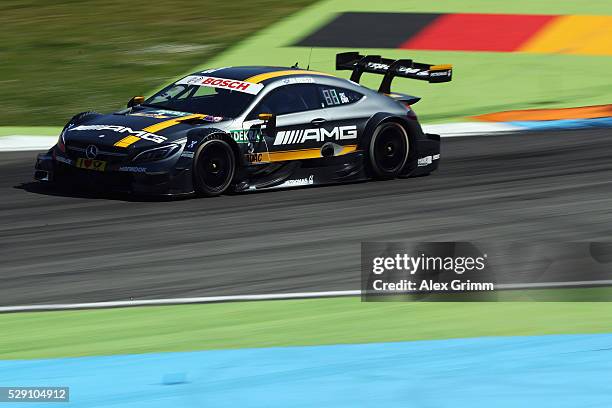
(554, 186)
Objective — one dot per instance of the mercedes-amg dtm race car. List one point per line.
(252, 128)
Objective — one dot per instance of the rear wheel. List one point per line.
(389, 148)
(214, 167)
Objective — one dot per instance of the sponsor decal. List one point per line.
(299, 182)
(317, 134)
(377, 65)
(425, 161)
(210, 118)
(132, 169)
(246, 135)
(223, 83)
(189, 155)
(192, 144)
(303, 80)
(254, 157)
(150, 115)
(440, 73)
(141, 134)
(406, 70)
(90, 164)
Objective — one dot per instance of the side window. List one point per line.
(334, 96)
(289, 99)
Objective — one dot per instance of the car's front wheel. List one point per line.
(214, 167)
(388, 150)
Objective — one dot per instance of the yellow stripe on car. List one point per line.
(129, 140)
(348, 149)
(269, 75)
(126, 141)
(168, 123)
(304, 154)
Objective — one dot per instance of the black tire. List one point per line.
(214, 167)
(389, 149)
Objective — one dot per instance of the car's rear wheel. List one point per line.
(388, 151)
(214, 167)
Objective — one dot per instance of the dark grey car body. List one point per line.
(319, 132)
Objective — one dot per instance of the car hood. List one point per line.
(137, 128)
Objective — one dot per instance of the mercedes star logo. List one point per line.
(91, 152)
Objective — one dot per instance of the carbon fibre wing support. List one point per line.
(391, 68)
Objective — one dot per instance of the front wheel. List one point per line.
(388, 151)
(214, 167)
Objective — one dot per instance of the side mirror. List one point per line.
(269, 119)
(136, 100)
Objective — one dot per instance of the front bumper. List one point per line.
(163, 177)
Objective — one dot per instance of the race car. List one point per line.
(237, 129)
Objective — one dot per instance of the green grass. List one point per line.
(284, 323)
(58, 58)
(63, 57)
(483, 82)
(30, 130)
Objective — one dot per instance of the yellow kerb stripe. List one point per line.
(262, 77)
(126, 141)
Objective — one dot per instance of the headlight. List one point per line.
(61, 143)
(157, 153)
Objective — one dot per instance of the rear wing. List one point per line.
(391, 68)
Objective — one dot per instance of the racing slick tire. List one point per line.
(213, 168)
(388, 150)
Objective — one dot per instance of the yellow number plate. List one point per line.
(89, 164)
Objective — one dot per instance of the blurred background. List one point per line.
(535, 62)
(58, 58)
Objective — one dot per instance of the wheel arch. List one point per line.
(81, 117)
(412, 127)
(196, 137)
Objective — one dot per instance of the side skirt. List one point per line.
(342, 169)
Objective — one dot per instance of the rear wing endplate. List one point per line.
(391, 68)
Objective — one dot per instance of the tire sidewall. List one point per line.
(198, 185)
(373, 165)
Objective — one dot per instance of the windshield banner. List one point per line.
(231, 84)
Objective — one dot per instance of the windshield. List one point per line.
(201, 99)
